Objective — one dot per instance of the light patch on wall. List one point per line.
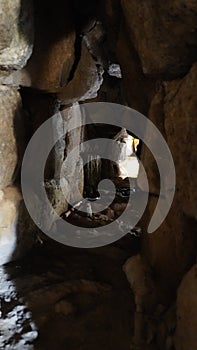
(18, 320)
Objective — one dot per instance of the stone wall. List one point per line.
(54, 55)
(157, 53)
(164, 47)
(16, 45)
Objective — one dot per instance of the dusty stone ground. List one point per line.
(65, 298)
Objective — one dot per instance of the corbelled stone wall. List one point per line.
(55, 54)
(157, 53)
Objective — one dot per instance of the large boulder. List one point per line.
(173, 111)
(186, 335)
(16, 27)
(163, 33)
(54, 50)
(86, 81)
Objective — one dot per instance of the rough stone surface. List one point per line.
(147, 297)
(171, 249)
(54, 52)
(72, 169)
(186, 336)
(164, 34)
(16, 29)
(86, 81)
(15, 233)
(173, 110)
(9, 118)
(5, 26)
(140, 279)
(95, 41)
(181, 129)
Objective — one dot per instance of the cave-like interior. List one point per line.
(97, 141)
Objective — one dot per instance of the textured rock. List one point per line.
(171, 249)
(164, 34)
(5, 25)
(186, 336)
(86, 81)
(181, 129)
(139, 276)
(16, 28)
(15, 233)
(53, 55)
(173, 111)
(9, 118)
(72, 169)
(140, 279)
(95, 42)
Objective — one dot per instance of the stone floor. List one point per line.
(59, 297)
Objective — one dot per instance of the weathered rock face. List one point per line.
(85, 83)
(17, 232)
(186, 336)
(70, 171)
(173, 112)
(53, 54)
(9, 117)
(151, 318)
(16, 43)
(6, 27)
(180, 127)
(164, 35)
(139, 276)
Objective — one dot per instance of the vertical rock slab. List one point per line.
(181, 129)
(72, 168)
(9, 117)
(171, 250)
(163, 33)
